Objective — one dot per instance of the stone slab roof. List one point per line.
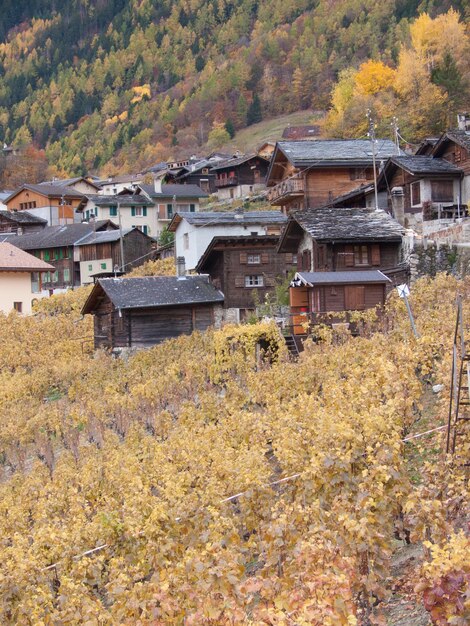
(22, 217)
(335, 151)
(12, 259)
(425, 165)
(59, 236)
(212, 218)
(155, 292)
(134, 199)
(180, 191)
(343, 224)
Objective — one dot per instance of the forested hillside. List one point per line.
(196, 484)
(118, 84)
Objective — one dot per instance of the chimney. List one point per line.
(398, 204)
(463, 121)
(157, 183)
(180, 267)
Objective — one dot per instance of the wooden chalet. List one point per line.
(54, 203)
(194, 173)
(316, 296)
(345, 241)
(242, 265)
(240, 176)
(309, 174)
(422, 188)
(20, 222)
(142, 312)
(454, 146)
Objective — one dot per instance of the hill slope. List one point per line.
(122, 83)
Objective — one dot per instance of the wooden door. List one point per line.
(354, 297)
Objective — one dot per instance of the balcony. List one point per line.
(226, 181)
(285, 191)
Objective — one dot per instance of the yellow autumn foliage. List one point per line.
(211, 480)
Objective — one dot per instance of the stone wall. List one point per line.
(428, 258)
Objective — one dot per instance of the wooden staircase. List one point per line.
(292, 347)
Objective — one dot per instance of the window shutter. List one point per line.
(243, 257)
(144, 211)
(375, 254)
(309, 261)
(269, 281)
(349, 256)
(145, 230)
(264, 257)
(133, 211)
(239, 281)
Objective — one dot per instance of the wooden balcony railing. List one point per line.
(226, 181)
(285, 190)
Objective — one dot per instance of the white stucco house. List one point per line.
(195, 231)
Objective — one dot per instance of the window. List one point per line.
(139, 211)
(112, 211)
(66, 275)
(169, 211)
(47, 277)
(192, 208)
(18, 306)
(361, 255)
(55, 277)
(415, 193)
(35, 282)
(442, 191)
(253, 259)
(103, 266)
(90, 267)
(254, 280)
(186, 241)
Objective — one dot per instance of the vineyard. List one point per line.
(206, 482)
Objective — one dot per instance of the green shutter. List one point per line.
(144, 211)
(145, 230)
(46, 255)
(133, 211)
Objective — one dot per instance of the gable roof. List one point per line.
(22, 217)
(423, 164)
(154, 292)
(49, 191)
(234, 162)
(460, 137)
(342, 225)
(69, 182)
(209, 218)
(128, 199)
(339, 278)
(12, 259)
(180, 191)
(337, 151)
(59, 236)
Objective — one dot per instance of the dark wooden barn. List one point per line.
(313, 294)
(142, 312)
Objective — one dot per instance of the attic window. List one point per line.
(416, 193)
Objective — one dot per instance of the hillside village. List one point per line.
(340, 219)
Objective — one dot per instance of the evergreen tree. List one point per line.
(254, 114)
(229, 127)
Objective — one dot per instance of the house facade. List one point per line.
(454, 147)
(195, 231)
(310, 174)
(241, 176)
(422, 188)
(246, 269)
(334, 239)
(132, 210)
(56, 246)
(58, 205)
(315, 297)
(142, 312)
(20, 222)
(20, 279)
